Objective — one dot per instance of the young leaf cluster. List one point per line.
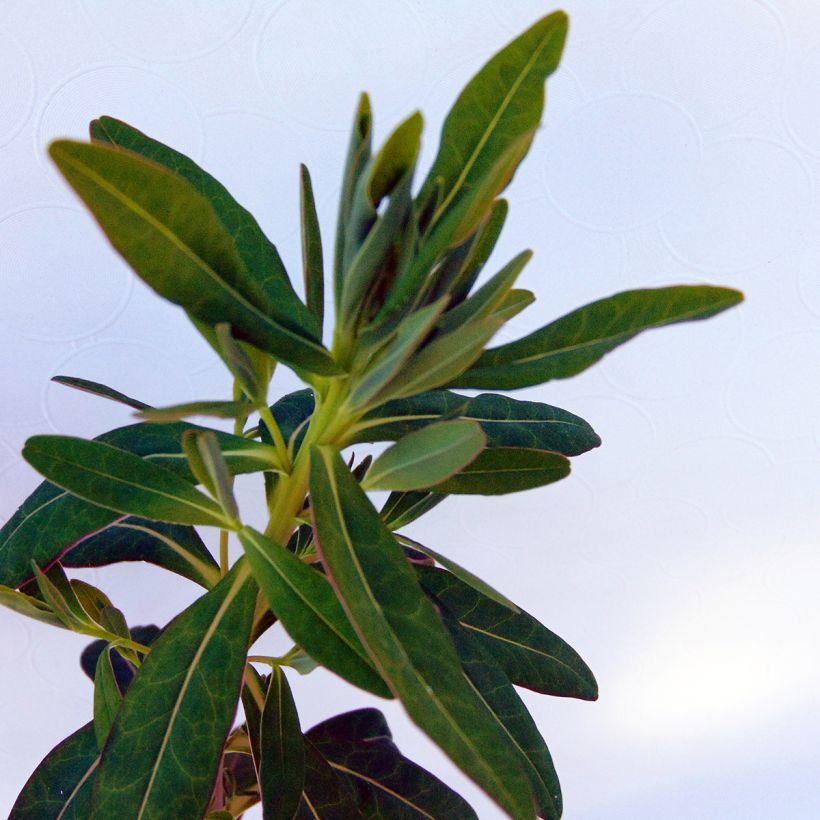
(356, 595)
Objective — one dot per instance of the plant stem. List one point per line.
(276, 434)
(223, 552)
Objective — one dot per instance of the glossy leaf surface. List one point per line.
(426, 457)
(403, 634)
(578, 340)
(309, 610)
(120, 481)
(282, 767)
(189, 685)
(528, 653)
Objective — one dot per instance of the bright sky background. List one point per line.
(681, 145)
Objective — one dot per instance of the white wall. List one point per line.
(682, 144)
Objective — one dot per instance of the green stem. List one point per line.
(276, 434)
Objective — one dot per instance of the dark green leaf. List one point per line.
(170, 546)
(403, 634)
(107, 697)
(502, 103)
(257, 252)
(189, 685)
(169, 233)
(253, 701)
(402, 508)
(360, 724)
(282, 768)
(216, 469)
(358, 154)
(503, 470)
(312, 261)
(426, 457)
(326, 795)
(292, 413)
(249, 365)
(530, 655)
(123, 670)
(97, 389)
(495, 689)
(506, 422)
(61, 785)
(121, 481)
(308, 608)
(574, 342)
(460, 572)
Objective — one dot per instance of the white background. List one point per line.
(681, 145)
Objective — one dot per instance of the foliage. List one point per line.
(355, 595)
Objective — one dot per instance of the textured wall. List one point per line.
(682, 144)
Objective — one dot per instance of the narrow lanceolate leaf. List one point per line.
(259, 255)
(102, 390)
(220, 409)
(495, 689)
(292, 414)
(312, 261)
(578, 340)
(189, 686)
(359, 745)
(400, 509)
(282, 767)
(169, 233)
(517, 300)
(305, 603)
(506, 422)
(120, 481)
(530, 655)
(61, 785)
(171, 546)
(327, 795)
(51, 521)
(503, 102)
(502, 470)
(29, 606)
(403, 634)
(426, 457)
(460, 572)
(107, 697)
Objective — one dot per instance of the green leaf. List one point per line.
(358, 154)
(253, 701)
(441, 360)
(282, 768)
(517, 300)
(502, 103)
(427, 456)
(292, 414)
(29, 606)
(216, 469)
(460, 572)
(121, 481)
(400, 509)
(189, 685)
(403, 634)
(530, 655)
(60, 786)
(305, 603)
(389, 366)
(495, 689)
(170, 546)
(251, 372)
(366, 724)
(169, 233)
(506, 422)
(488, 297)
(578, 340)
(502, 470)
(312, 260)
(97, 389)
(390, 785)
(51, 521)
(107, 697)
(326, 794)
(259, 255)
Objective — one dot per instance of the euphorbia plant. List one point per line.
(355, 595)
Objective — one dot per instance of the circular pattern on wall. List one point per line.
(18, 87)
(801, 102)
(342, 53)
(717, 60)
(621, 161)
(158, 30)
(139, 97)
(80, 284)
(746, 207)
